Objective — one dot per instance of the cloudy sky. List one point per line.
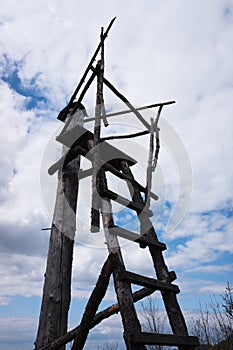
(156, 51)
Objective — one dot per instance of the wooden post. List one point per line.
(174, 312)
(149, 166)
(123, 289)
(104, 36)
(99, 185)
(124, 99)
(95, 208)
(57, 285)
(93, 303)
(99, 317)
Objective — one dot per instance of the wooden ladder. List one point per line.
(82, 142)
(135, 338)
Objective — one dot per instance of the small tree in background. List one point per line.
(227, 303)
(153, 320)
(214, 325)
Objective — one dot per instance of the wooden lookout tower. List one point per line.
(78, 141)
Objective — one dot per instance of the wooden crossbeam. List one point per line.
(108, 167)
(99, 317)
(86, 87)
(94, 301)
(165, 339)
(62, 117)
(125, 100)
(78, 136)
(114, 114)
(126, 202)
(135, 237)
(148, 282)
(116, 137)
(78, 150)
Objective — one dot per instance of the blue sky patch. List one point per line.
(10, 75)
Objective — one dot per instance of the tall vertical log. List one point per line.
(149, 166)
(99, 184)
(57, 285)
(95, 207)
(123, 289)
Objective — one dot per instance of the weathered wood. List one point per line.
(63, 117)
(107, 216)
(55, 303)
(124, 99)
(149, 165)
(152, 163)
(99, 184)
(79, 150)
(101, 77)
(99, 317)
(148, 282)
(128, 136)
(175, 316)
(132, 236)
(84, 173)
(93, 303)
(114, 114)
(96, 202)
(64, 234)
(138, 207)
(156, 155)
(123, 176)
(123, 289)
(57, 285)
(125, 300)
(79, 136)
(165, 339)
(86, 87)
(134, 190)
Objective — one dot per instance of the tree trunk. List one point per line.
(57, 285)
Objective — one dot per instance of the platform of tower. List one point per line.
(78, 141)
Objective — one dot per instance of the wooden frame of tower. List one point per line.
(78, 141)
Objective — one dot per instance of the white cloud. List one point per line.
(204, 240)
(154, 52)
(21, 275)
(17, 332)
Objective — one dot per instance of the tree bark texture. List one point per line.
(125, 300)
(174, 312)
(99, 317)
(57, 284)
(93, 303)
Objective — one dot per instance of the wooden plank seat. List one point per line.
(78, 136)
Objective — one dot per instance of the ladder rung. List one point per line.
(132, 236)
(148, 282)
(116, 172)
(164, 339)
(126, 202)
